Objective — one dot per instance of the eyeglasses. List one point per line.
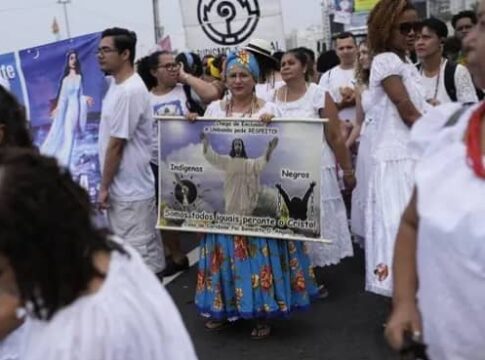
(170, 66)
(105, 50)
(406, 27)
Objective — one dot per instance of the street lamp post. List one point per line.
(66, 18)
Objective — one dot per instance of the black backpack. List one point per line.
(450, 87)
(450, 69)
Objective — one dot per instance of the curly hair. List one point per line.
(46, 231)
(361, 75)
(12, 116)
(381, 21)
(147, 64)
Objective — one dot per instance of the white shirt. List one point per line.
(450, 243)
(465, 90)
(173, 103)
(127, 114)
(131, 317)
(335, 79)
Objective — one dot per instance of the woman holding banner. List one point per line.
(300, 99)
(244, 277)
(69, 113)
(13, 133)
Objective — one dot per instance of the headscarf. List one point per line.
(243, 59)
(213, 70)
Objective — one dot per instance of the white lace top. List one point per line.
(392, 133)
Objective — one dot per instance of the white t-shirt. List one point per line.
(267, 90)
(465, 90)
(131, 317)
(173, 103)
(127, 114)
(332, 81)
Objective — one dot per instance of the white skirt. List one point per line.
(390, 189)
(333, 218)
(362, 174)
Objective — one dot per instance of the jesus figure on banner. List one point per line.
(242, 182)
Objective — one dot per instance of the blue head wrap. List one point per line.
(244, 59)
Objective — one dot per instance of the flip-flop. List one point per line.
(261, 331)
(214, 325)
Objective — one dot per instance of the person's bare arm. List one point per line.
(395, 89)
(336, 142)
(207, 92)
(112, 161)
(405, 315)
(359, 120)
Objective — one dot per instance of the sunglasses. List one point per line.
(406, 27)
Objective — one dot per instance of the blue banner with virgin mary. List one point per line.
(65, 88)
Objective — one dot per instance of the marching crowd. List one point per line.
(402, 175)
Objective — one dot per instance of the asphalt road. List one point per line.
(348, 325)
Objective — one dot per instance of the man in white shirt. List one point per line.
(443, 81)
(339, 81)
(127, 183)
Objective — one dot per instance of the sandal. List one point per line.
(215, 325)
(261, 331)
(322, 292)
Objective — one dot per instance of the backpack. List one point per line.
(449, 81)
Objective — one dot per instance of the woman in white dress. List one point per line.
(69, 114)
(440, 243)
(87, 296)
(13, 132)
(300, 99)
(395, 82)
(365, 132)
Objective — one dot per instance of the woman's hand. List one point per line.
(266, 118)
(349, 181)
(183, 75)
(404, 317)
(192, 116)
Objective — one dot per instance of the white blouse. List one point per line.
(131, 317)
(451, 239)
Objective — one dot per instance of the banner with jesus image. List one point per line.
(241, 177)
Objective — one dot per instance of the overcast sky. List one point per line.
(27, 23)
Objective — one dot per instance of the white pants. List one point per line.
(134, 222)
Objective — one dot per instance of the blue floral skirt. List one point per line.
(243, 277)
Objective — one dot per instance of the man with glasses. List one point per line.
(127, 189)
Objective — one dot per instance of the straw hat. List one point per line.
(262, 47)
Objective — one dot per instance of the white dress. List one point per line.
(334, 222)
(450, 245)
(131, 317)
(71, 115)
(363, 166)
(392, 173)
(11, 346)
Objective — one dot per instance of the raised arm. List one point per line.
(271, 146)
(309, 192)
(207, 92)
(284, 195)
